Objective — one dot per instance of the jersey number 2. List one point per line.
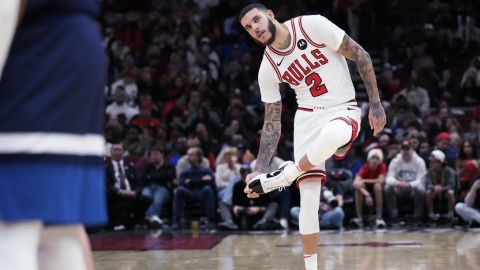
(316, 86)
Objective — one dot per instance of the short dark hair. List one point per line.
(249, 7)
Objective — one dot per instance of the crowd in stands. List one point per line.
(184, 116)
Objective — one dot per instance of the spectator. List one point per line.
(331, 214)
(281, 197)
(416, 95)
(440, 183)
(442, 143)
(370, 179)
(184, 163)
(120, 106)
(226, 175)
(405, 178)
(158, 182)
(196, 184)
(473, 134)
(123, 191)
(467, 166)
(128, 83)
(470, 209)
(259, 212)
(145, 119)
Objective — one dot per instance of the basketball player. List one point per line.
(51, 126)
(308, 52)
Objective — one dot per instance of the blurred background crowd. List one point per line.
(184, 115)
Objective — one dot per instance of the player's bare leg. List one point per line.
(19, 245)
(63, 247)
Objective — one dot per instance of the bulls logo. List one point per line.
(302, 44)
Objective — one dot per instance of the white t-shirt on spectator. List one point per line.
(114, 109)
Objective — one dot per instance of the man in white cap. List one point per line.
(370, 179)
(440, 182)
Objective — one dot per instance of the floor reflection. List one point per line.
(435, 249)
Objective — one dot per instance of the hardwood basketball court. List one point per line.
(400, 249)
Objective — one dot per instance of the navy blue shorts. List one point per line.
(51, 117)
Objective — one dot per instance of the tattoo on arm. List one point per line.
(353, 51)
(270, 135)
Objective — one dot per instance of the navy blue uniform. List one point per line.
(51, 116)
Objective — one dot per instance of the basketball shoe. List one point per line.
(284, 176)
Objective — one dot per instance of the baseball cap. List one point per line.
(443, 136)
(438, 155)
(375, 153)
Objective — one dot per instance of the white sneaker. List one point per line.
(380, 223)
(155, 220)
(284, 223)
(267, 182)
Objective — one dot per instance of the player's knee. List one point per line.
(338, 132)
(378, 187)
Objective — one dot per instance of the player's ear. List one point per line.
(270, 14)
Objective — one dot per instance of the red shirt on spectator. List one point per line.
(149, 122)
(366, 173)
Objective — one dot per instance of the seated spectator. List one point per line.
(226, 175)
(145, 119)
(405, 178)
(439, 183)
(123, 191)
(370, 179)
(443, 144)
(331, 214)
(120, 107)
(259, 212)
(158, 182)
(467, 166)
(415, 94)
(184, 164)
(470, 209)
(196, 184)
(128, 83)
(280, 196)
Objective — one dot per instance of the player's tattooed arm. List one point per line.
(353, 51)
(271, 131)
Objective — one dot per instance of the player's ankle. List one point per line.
(292, 172)
(310, 261)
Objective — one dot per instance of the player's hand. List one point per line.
(248, 191)
(377, 117)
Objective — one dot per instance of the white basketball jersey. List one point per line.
(318, 74)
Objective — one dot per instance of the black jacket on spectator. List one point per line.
(130, 174)
(160, 176)
(240, 198)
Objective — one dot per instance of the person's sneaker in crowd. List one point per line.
(396, 223)
(284, 223)
(155, 221)
(380, 224)
(262, 224)
(227, 225)
(119, 227)
(433, 216)
(210, 226)
(267, 182)
(356, 222)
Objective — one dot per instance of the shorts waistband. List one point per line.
(352, 102)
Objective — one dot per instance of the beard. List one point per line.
(273, 30)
